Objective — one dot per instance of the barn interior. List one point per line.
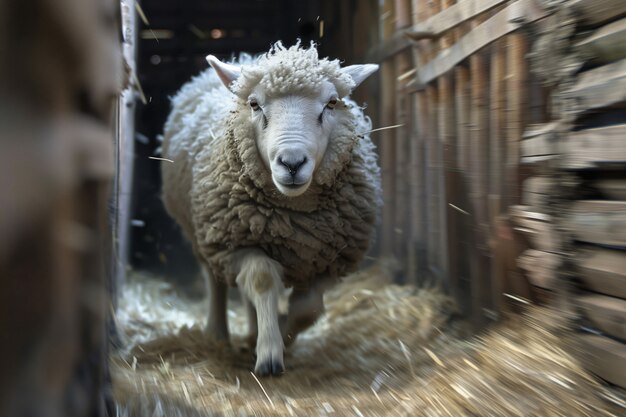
(496, 285)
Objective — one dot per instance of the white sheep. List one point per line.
(274, 182)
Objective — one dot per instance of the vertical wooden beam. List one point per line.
(387, 148)
(402, 63)
(478, 181)
(496, 163)
(416, 266)
(516, 84)
(461, 287)
(447, 156)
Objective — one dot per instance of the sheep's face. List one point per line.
(292, 131)
(292, 134)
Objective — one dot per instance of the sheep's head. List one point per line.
(294, 104)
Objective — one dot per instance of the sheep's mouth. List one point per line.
(292, 189)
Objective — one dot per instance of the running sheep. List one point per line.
(275, 183)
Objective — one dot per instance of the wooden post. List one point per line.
(478, 179)
(447, 155)
(516, 78)
(402, 64)
(387, 148)
(496, 165)
(416, 265)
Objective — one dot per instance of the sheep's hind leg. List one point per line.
(217, 326)
(305, 307)
(260, 279)
(253, 329)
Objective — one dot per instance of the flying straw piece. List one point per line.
(384, 128)
(160, 159)
(459, 209)
(262, 389)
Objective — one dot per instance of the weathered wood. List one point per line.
(600, 222)
(594, 148)
(402, 63)
(541, 268)
(451, 17)
(614, 189)
(594, 12)
(503, 23)
(597, 88)
(497, 122)
(606, 44)
(604, 357)
(607, 314)
(478, 184)
(516, 104)
(388, 153)
(540, 140)
(388, 48)
(536, 190)
(537, 227)
(603, 271)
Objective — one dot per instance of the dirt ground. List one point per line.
(380, 350)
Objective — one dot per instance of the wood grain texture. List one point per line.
(607, 314)
(604, 357)
(501, 24)
(603, 271)
(598, 221)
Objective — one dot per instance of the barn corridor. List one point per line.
(381, 350)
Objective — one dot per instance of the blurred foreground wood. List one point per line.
(60, 73)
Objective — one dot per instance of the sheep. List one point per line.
(275, 183)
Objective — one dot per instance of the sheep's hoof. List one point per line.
(270, 367)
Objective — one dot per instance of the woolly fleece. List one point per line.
(222, 195)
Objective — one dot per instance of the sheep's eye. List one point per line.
(255, 105)
(332, 103)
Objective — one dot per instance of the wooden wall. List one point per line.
(454, 77)
(574, 204)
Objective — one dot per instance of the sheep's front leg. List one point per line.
(305, 307)
(217, 326)
(260, 279)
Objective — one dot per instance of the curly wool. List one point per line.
(222, 194)
(291, 71)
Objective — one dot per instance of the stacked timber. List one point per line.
(575, 204)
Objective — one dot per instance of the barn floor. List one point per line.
(381, 350)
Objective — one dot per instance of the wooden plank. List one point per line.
(447, 146)
(599, 221)
(604, 357)
(478, 185)
(539, 140)
(536, 190)
(388, 48)
(597, 88)
(594, 12)
(497, 122)
(603, 270)
(516, 103)
(607, 314)
(451, 17)
(538, 229)
(614, 189)
(502, 23)
(606, 44)
(387, 148)
(402, 63)
(541, 268)
(594, 148)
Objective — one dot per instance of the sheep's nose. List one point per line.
(292, 165)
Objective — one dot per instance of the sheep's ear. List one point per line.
(228, 73)
(359, 72)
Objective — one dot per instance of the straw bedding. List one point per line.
(381, 350)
